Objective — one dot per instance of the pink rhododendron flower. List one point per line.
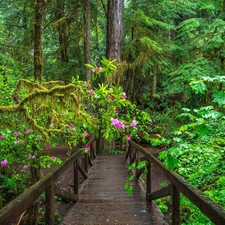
(87, 147)
(117, 123)
(37, 139)
(116, 110)
(4, 162)
(17, 141)
(86, 134)
(18, 134)
(30, 156)
(91, 92)
(86, 84)
(133, 123)
(110, 97)
(28, 131)
(2, 137)
(72, 127)
(26, 166)
(128, 137)
(97, 69)
(124, 95)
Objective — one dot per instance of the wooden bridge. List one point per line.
(101, 199)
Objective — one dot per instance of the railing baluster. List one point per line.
(86, 162)
(128, 151)
(175, 205)
(149, 179)
(49, 210)
(76, 177)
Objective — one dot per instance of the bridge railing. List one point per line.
(177, 185)
(13, 211)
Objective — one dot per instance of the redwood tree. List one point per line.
(39, 9)
(87, 47)
(115, 29)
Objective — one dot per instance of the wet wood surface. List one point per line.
(103, 199)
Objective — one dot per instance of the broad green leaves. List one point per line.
(219, 97)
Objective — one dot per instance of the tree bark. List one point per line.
(115, 29)
(62, 31)
(39, 9)
(154, 81)
(87, 47)
(104, 146)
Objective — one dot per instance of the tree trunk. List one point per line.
(104, 146)
(87, 48)
(39, 9)
(115, 29)
(62, 31)
(154, 82)
(115, 10)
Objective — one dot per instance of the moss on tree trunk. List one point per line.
(39, 10)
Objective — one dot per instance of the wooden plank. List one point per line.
(149, 179)
(49, 209)
(128, 151)
(90, 162)
(163, 192)
(133, 157)
(65, 195)
(86, 163)
(82, 171)
(139, 172)
(175, 205)
(76, 177)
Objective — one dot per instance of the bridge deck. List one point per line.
(103, 199)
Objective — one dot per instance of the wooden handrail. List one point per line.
(178, 184)
(16, 207)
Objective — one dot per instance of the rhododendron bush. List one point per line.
(55, 113)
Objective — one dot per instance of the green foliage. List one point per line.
(197, 153)
(140, 165)
(128, 186)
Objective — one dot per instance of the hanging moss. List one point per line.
(41, 100)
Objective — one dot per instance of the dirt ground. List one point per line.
(65, 182)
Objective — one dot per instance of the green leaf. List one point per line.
(198, 86)
(203, 129)
(219, 97)
(141, 164)
(155, 142)
(171, 162)
(89, 66)
(131, 166)
(163, 155)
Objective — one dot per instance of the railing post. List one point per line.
(149, 180)
(128, 151)
(49, 210)
(175, 194)
(76, 177)
(86, 162)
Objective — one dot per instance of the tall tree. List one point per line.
(87, 47)
(115, 29)
(61, 25)
(115, 10)
(39, 9)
